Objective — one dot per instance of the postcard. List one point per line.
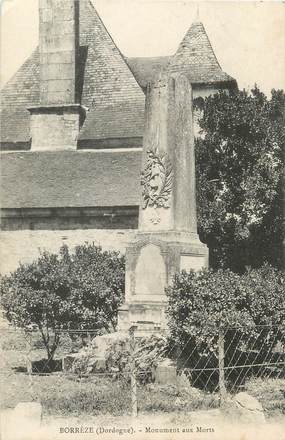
(142, 220)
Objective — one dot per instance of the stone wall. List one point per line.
(24, 246)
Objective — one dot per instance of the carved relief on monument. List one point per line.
(150, 272)
(157, 180)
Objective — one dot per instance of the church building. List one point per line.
(72, 124)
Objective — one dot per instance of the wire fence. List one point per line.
(133, 378)
(238, 357)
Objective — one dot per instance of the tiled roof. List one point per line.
(195, 57)
(20, 92)
(146, 68)
(70, 179)
(123, 120)
(111, 86)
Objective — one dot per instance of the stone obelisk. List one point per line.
(167, 239)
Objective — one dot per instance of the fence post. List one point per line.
(29, 364)
(133, 374)
(222, 386)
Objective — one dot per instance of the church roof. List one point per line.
(108, 87)
(47, 179)
(112, 85)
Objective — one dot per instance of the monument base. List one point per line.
(147, 318)
(152, 260)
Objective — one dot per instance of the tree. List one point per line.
(239, 178)
(65, 291)
(248, 310)
(201, 303)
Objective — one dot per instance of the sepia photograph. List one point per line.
(142, 231)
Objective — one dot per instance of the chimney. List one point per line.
(55, 123)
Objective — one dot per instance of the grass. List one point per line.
(58, 393)
(68, 395)
(62, 394)
(270, 393)
(168, 398)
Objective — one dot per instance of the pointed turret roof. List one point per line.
(194, 56)
(196, 49)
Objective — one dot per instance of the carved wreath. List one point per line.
(156, 180)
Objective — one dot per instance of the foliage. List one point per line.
(118, 356)
(264, 289)
(239, 158)
(146, 354)
(201, 304)
(64, 291)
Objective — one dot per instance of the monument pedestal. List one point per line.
(167, 241)
(148, 318)
(152, 260)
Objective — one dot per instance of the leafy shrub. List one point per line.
(65, 291)
(204, 304)
(200, 303)
(148, 352)
(264, 289)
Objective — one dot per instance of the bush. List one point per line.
(65, 291)
(148, 352)
(200, 303)
(264, 289)
(204, 304)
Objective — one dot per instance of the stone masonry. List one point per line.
(59, 42)
(167, 240)
(55, 123)
(55, 127)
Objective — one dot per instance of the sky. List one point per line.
(248, 37)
